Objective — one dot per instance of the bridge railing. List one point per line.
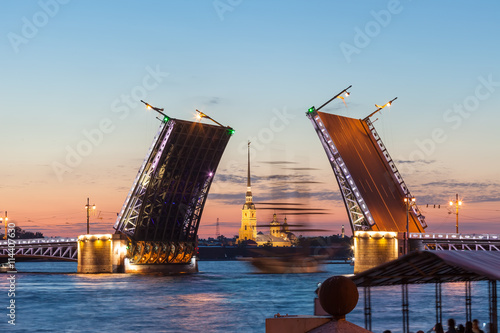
(42, 241)
(453, 236)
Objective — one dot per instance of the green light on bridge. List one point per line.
(230, 131)
(166, 119)
(311, 109)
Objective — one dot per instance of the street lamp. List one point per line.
(339, 95)
(159, 110)
(6, 219)
(201, 115)
(88, 208)
(409, 201)
(380, 107)
(457, 203)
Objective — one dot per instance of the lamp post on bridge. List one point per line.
(6, 219)
(457, 203)
(88, 208)
(409, 201)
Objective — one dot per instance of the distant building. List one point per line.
(248, 229)
(279, 234)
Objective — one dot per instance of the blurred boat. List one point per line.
(5, 267)
(288, 264)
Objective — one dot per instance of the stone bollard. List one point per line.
(338, 296)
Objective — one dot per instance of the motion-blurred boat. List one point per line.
(288, 264)
(5, 267)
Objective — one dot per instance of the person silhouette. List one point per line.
(438, 328)
(451, 326)
(468, 327)
(475, 327)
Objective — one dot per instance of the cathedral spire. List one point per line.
(249, 188)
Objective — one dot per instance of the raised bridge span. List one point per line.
(384, 217)
(371, 185)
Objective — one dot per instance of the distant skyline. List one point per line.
(73, 127)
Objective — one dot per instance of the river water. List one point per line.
(226, 296)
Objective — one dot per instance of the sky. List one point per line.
(72, 127)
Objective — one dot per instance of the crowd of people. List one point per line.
(470, 327)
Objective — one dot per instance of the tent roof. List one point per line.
(431, 266)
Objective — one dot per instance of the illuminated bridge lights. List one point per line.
(95, 237)
(376, 234)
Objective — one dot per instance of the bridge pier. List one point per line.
(108, 254)
(373, 248)
(101, 253)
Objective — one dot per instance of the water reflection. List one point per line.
(224, 297)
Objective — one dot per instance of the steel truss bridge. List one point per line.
(372, 188)
(42, 248)
(162, 212)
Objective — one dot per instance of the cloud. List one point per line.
(270, 180)
(213, 101)
(452, 183)
(301, 169)
(278, 162)
(231, 178)
(280, 203)
(288, 194)
(415, 162)
(338, 107)
(122, 188)
(440, 192)
(292, 209)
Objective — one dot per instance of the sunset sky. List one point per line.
(72, 73)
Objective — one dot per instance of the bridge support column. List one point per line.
(439, 303)
(372, 248)
(101, 253)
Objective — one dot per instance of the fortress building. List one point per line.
(279, 234)
(248, 229)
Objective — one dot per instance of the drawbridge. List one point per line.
(162, 212)
(372, 188)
